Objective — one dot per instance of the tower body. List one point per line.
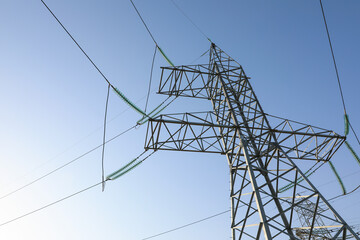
(266, 185)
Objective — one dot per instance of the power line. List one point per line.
(347, 121)
(121, 95)
(198, 221)
(161, 51)
(66, 164)
(192, 22)
(50, 204)
(144, 22)
(333, 57)
(343, 195)
(204, 219)
(79, 141)
(115, 89)
(146, 103)
(326, 183)
(200, 56)
(71, 195)
(336, 70)
(77, 44)
(352, 129)
(186, 225)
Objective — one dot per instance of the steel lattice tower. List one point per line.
(261, 158)
(305, 211)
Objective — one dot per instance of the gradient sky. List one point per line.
(52, 105)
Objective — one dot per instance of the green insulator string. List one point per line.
(145, 117)
(126, 171)
(346, 131)
(128, 167)
(338, 177)
(125, 99)
(122, 168)
(352, 152)
(346, 124)
(152, 114)
(166, 58)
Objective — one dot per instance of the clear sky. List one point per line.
(52, 106)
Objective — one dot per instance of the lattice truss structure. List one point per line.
(261, 158)
(305, 211)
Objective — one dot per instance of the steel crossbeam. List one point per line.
(198, 132)
(261, 158)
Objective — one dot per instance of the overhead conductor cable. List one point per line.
(78, 192)
(152, 37)
(66, 164)
(118, 92)
(191, 21)
(346, 117)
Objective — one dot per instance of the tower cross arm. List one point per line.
(191, 80)
(199, 132)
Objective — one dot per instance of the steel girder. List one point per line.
(260, 158)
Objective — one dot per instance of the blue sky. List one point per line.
(52, 107)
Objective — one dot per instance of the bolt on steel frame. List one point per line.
(266, 185)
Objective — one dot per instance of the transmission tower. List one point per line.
(305, 211)
(261, 158)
